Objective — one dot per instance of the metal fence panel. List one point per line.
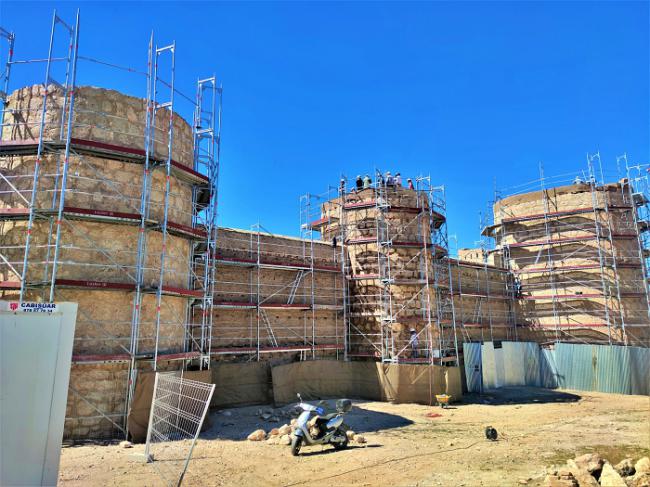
(488, 365)
(576, 366)
(548, 369)
(640, 371)
(532, 364)
(473, 366)
(514, 364)
(613, 369)
(604, 368)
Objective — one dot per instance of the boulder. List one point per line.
(591, 462)
(293, 423)
(639, 480)
(285, 429)
(360, 439)
(643, 465)
(273, 440)
(610, 477)
(257, 435)
(285, 440)
(625, 467)
(274, 432)
(555, 481)
(350, 435)
(581, 474)
(126, 444)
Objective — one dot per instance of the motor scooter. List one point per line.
(328, 425)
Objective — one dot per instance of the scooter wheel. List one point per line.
(342, 445)
(296, 443)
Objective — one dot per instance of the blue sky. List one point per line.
(467, 92)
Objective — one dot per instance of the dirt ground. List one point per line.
(537, 428)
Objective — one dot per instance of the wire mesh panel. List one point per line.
(178, 409)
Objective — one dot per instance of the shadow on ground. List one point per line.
(237, 423)
(520, 395)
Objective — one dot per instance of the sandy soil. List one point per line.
(537, 428)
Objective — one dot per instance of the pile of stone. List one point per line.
(591, 470)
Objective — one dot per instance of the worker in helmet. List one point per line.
(367, 182)
(414, 342)
(390, 181)
(359, 183)
(398, 180)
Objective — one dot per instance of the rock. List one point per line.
(227, 413)
(610, 477)
(285, 429)
(350, 435)
(285, 440)
(625, 467)
(293, 423)
(274, 432)
(274, 419)
(266, 416)
(555, 481)
(273, 440)
(585, 479)
(360, 439)
(643, 465)
(639, 480)
(257, 435)
(581, 474)
(522, 481)
(591, 462)
(126, 444)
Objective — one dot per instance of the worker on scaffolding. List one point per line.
(517, 288)
(410, 183)
(390, 181)
(379, 177)
(359, 183)
(414, 342)
(342, 186)
(367, 182)
(398, 180)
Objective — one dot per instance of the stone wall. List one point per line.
(93, 183)
(100, 115)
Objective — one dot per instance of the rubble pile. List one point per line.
(591, 470)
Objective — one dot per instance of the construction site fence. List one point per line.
(241, 384)
(600, 368)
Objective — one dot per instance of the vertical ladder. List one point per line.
(11, 38)
(71, 60)
(384, 244)
(206, 132)
(601, 257)
(169, 105)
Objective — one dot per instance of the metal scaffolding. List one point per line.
(569, 259)
(386, 246)
(68, 167)
(277, 295)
